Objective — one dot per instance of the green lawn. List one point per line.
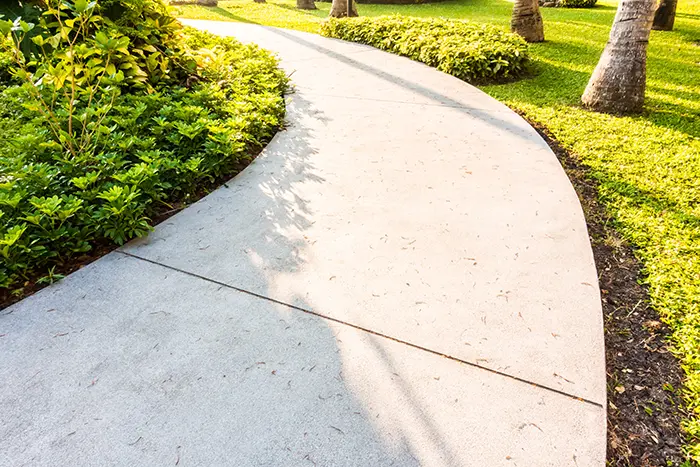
(648, 166)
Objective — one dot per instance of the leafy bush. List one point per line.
(577, 3)
(6, 60)
(154, 39)
(96, 142)
(154, 36)
(472, 52)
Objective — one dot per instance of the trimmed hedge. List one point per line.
(193, 116)
(390, 2)
(577, 3)
(472, 52)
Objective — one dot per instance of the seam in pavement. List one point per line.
(360, 328)
(302, 91)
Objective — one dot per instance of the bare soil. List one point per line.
(644, 408)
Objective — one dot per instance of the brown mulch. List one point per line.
(644, 408)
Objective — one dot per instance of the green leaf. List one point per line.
(80, 6)
(26, 27)
(5, 27)
(101, 38)
(13, 235)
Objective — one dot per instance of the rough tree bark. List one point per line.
(527, 20)
(339, 9)
(306, 4)
(619, 80)
(665, 15)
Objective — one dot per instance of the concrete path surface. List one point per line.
(403, 277)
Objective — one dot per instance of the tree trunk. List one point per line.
(339, 9)
(665, 15)
(618, 82)
(306, 4)
(527, 20)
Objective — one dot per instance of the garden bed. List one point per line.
(90, 159)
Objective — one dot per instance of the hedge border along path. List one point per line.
(471, 52)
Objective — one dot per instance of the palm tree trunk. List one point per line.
(665, 15)
(619, 80)
(339, 9)
(527, 20)
(306, 4)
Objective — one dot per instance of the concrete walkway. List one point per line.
(404, 278)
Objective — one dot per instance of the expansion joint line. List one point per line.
(363, 329)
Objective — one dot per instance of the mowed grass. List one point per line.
(647, 166)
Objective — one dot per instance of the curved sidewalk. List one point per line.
(403, 277)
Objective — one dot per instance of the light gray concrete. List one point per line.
(415, 206)
(128, 363)
(430, 227)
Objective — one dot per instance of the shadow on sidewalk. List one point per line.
(129, 362)
(489, 117)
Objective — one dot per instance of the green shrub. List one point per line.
(28, 12)
(6, 60)
(96, 142)
(577, 3)
(152, 35)
(472, 52)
